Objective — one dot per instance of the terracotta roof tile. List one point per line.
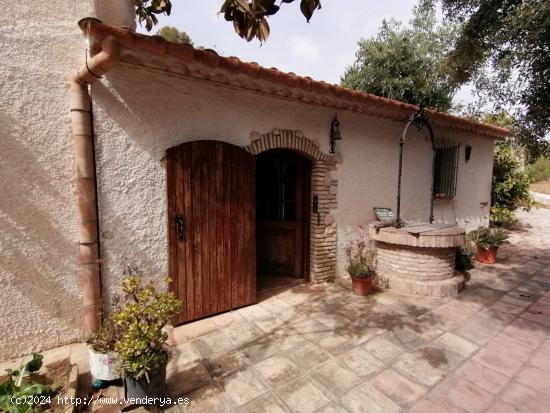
(332, 95)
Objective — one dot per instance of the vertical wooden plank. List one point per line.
(185, 164)
(235, 229)
(204, 244)
(251, 212)
(241, 167)
(227, 261)
(172, 241)
(218, 205)
(181, 274)
(298, 219)
(213, 244)
(196, 182)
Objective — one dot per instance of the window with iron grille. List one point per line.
(445, 170)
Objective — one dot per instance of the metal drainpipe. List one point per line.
(83, 147)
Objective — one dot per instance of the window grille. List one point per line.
(445, 170)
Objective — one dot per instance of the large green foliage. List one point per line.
(406, 63)
(540, 170)
(141, 319)
(504, 48)
(249, 17)
(510, 186)
(18, 391)
(174, 35)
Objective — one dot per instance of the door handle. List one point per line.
(180, 227)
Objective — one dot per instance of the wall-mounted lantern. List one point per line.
(334, 133)
(468, 152)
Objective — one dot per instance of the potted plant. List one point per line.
(463, 258)
(102, 354)
(487, 241)
(141, 347)
(361, 267)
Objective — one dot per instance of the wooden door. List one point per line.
(211, 228)
(282, 211)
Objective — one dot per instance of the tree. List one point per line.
(406, 63)
(174, 35)
(510, 183)
(504, 48)
(249, 17)
(510, 186)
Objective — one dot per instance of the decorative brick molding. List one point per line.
(322, 249)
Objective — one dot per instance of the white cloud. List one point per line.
(305, 49)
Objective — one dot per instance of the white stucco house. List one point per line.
(183, 162)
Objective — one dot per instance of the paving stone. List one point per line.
(335, 377)
(487, 379)
(287, 337)
(307, 356)
(331, 320)
(432, 404)
(227, 363)
(332, 408)
(213, 343)
(407, 338)
(384, 348)
(440, 357)
(243, 333)
(400, 389)
(456, 344)
(501, 407)
(226, 319)
(302, 396)
(242, 387)
(266, 404)
(545, 347)
(366, 398)
(207, 399)
(503, 306)
(498, 362)
(468, 396)
(310, 329)
(269, 324)
(361, 362)
(184, 353)
(417, 368)
(186, 379)
(261, 349)
(509, 348)
(253, 312)
(522, 397)
(193, 330)
(536, 379)
(334, 343)
(277, 370)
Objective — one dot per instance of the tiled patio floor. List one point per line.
(321, 349)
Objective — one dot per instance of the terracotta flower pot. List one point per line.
(486, 255)
(361, 285)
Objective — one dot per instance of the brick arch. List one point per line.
(322, 249)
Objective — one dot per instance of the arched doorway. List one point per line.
(283, 187)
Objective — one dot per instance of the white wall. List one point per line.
(41, 45)
(135, 127)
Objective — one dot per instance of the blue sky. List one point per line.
(321, 49)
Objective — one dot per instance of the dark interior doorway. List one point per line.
(283, 180)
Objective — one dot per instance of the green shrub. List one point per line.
(540, 170)
(360, 260)
(141, 319)
(510, 186)
(19, 393)
(489, 237)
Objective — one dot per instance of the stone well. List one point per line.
(419, 263)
